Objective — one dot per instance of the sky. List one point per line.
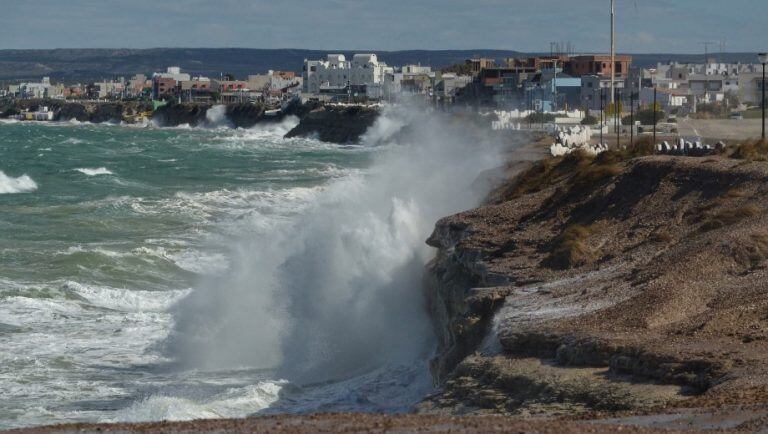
(643, 26)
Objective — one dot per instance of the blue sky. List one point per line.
(670, 26)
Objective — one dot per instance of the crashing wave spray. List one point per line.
(336, 291)
(216, 117)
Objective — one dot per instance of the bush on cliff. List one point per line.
(571, 248)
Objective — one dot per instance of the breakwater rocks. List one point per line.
(336, 124)
(597, 285)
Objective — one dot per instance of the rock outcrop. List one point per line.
(336, 124)
(648, 272)
(173, 114)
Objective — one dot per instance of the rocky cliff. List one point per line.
(610, 285)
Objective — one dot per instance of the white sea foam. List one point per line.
(94, 172)
(234, 403)
(10, 185)
(125, 299)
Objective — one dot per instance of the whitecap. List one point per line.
(10, 185)
(94, 172)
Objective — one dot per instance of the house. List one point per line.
(598, 64)
(338, 75)
(165, 83)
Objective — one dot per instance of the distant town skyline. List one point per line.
(644, 26)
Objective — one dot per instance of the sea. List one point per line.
(151, 273)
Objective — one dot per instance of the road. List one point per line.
(720, 129)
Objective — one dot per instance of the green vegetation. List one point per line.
(645, 116)
(589, 120)
(540, 118)
(571, 248)
(462, 68)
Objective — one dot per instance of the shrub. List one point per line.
(540, 118)
(589, 120)
(570, 249)
(756, 150)
(646, 116)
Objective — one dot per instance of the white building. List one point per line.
(173, 72)
(336, 73)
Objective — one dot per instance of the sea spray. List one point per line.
(10, 185)
(216, 117)
(336, 291)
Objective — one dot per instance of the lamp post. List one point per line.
(763, 57)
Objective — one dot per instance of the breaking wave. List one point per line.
(335, 292)
(95, 172)
(10, 185)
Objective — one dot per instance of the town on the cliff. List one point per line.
(576, 97)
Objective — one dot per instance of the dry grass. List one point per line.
(571, 248)
(661, 235)
(754, 150)
(538, 177)
(753, 252)
(729, 217)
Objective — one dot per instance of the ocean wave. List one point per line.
(126, 299)
(235, 402)
(94, 172)
(10, 185)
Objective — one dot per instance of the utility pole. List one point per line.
(618, 120)
(555, 107)
(613, 48)
(602, 113)
(654, 115)
(631, 118)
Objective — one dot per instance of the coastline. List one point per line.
(560, 304)
(328, 123)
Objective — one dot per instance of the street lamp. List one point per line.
(763, 57)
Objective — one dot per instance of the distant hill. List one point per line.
(93, 64)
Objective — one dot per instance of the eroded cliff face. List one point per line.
(605, 285)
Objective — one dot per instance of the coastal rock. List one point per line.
(173, 114)
(659, 289)
(336, 124)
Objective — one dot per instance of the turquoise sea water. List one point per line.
(103, 228)
(171, 274)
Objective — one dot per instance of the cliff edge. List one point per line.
(606, 286)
